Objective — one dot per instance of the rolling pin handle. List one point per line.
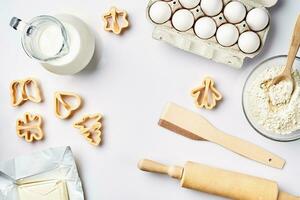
(152, 166)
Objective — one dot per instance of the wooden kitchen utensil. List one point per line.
(286, 74)
(219, 182)
(194, 126)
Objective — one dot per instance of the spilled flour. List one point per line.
(283, 116)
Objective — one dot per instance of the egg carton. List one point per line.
(210, 48)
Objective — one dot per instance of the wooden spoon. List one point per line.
(286, 74)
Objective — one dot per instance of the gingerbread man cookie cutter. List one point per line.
(92, 132)
(61, 103)
(19, 91)
(206, 95)
(30, 127)
(112, 22)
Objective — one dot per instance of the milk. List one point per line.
(50, 41)
(81, 45)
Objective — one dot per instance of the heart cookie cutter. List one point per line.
(30, 128)
(206, 95)
(24, 85)
(111, 22)
(92, 133)
(60, 103)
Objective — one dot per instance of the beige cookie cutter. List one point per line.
(30, 127)
(111, 23)
(61, 103)
(91, 133)
(23, 85)
(206, 95)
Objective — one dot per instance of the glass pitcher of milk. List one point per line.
(62, 44)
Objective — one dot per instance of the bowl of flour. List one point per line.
(273, 112)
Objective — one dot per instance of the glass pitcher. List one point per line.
(62, 44)
(43, 38)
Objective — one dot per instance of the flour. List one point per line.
(281, 93)
(283, 116)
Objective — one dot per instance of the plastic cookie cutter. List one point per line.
(112, 20)
(63, 108)
(90, 127)
(206, 95)
(23, 90)
(30, 127)
(93, 136)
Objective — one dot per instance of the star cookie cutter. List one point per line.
(23, 90)
(206, 95)
(61, 104)
(111, 20)
(30, 127)
(91, 131)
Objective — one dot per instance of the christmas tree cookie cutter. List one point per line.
(206, 95)
(30, 127)
(92, 132)
(61, 103)
(112, 22)
(19, 91)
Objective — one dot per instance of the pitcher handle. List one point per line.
(17, 24)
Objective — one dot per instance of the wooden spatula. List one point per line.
(194, 126)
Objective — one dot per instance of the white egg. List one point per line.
(205, 27)
(160, 12)
(249, 42)
(235, 12)
(189, 3)
(227, 35)
(183, 20)
(211, 7)
(257, 19)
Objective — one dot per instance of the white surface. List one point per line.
(130, 80)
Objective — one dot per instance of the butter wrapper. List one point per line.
(47, 175)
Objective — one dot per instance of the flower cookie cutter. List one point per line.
(206, 95)
(111, 20)
(30, 127)
(61, 103)
(20, 91)
(92, 132)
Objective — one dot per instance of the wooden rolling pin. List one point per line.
(219, 182)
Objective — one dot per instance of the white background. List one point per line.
(129, 81)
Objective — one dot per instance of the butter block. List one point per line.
(44, 190)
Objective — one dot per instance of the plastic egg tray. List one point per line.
(210, 48)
